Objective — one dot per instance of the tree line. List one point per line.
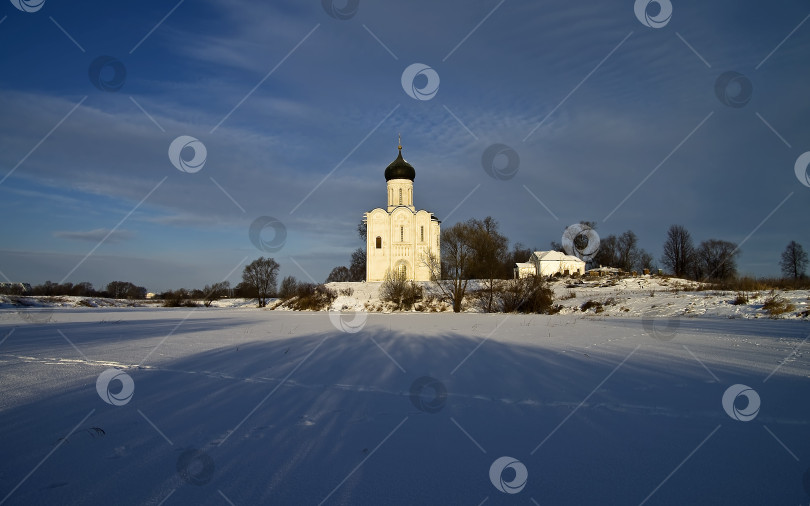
(716, 260)
(114, 290)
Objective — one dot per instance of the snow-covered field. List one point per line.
(243, 406)
(628, 297)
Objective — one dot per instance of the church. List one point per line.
(399, 238)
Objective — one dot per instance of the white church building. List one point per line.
(399, 238)
(549, 263)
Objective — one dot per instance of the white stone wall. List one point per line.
(551, 267)
(405, 235)
(400, 193)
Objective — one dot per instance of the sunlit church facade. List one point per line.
(400, 238)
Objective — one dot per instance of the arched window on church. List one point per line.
(379, 242)
(400, 196)
(402, 234)
(421, 233)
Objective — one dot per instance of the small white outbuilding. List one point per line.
(549, 263)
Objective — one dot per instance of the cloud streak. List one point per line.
(96, 235)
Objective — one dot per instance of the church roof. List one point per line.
(555, 256)
(399, 169)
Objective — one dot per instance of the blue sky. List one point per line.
(615, 98)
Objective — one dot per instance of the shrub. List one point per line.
(309, 296)
(527, 295)
(740, 299)
(592, 304)
(776, 305)
(399, 291)
(348, 291)
(177, 298)
(569, 295)
(176, 302)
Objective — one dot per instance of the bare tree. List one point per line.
(519, 254)
(627, 247)
(357, 266)
(490, 248)
(716, 259)
(794, 261)
(678, 251)
(451, 275)
(608, 254)
(339, 273)
(645, 260)
(215, 292)
(289, 286)
(261, 276)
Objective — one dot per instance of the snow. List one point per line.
(665, 297)
(627, 297)
(250, 406)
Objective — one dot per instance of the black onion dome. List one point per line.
(399, 169)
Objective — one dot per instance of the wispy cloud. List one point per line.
(509, 74)
(95, 235)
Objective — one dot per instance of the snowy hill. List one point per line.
(627, 297)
